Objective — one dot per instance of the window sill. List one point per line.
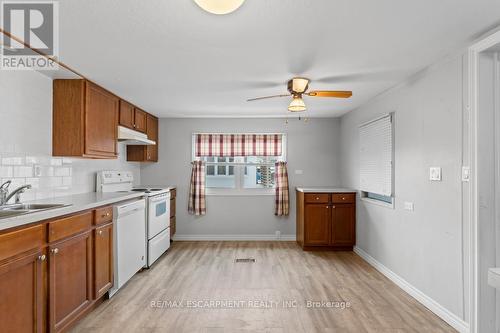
(239, 193)
(379, 203)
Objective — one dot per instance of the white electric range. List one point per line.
(157, 211)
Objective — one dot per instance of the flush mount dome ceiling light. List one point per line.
(219, 7)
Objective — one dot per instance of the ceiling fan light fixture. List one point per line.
(297, 105)
(219, 7)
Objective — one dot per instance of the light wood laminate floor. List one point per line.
(194, 273)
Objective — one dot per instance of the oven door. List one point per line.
(158, 214)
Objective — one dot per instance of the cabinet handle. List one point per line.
(100, 232)
(42, 257)
(55, 251)
(333, 207)
(326, 207)
(317, 198)
(343, 198)
(105, 215)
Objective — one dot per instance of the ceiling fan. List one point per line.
(297, 87)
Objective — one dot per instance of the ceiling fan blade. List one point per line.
(266, 97)
(330, 93)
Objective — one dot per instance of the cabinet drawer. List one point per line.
(19, 241)
(317, 197)
(69, 226)
(103, 215)
(344, 198)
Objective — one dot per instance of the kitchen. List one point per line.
(152, 180)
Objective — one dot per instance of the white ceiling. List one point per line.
(175, 60)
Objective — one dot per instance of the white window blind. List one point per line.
(376, 151)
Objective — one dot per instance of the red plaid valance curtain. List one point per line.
(281, 181)
(238, 145)
(196, 204)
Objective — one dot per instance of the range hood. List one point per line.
(131, 137)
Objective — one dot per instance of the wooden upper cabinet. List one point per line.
(85, 120)
(127, 114)
(152, 151)
(146, 153)
(22, 290)
(140, 120)
(132, 117)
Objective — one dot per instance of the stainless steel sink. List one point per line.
(20, 209)
(31, 206)
(11, 213)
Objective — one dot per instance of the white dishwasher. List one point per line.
(129, 222)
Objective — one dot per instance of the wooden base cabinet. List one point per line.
(173, 222)
(326, 220)
(70, 285)
(55, 272)
(21, 286)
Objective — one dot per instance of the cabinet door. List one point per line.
(101, 122)
(317, 224)
(140, 120)
(103, 264)
(21, 287)
(126, 114)
(70, 286)
(152, 151)
(343, 224)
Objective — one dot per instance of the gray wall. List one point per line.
(423, 246)
(312, 147)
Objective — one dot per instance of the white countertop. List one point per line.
(325, 189)
(77, 202)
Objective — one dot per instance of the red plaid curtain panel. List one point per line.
(281, 181)
(197, 205)
(222, 145)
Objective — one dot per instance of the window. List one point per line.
(376, 160)
(241, 174)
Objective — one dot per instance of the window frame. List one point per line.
(239, 190)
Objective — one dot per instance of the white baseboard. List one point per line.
(452, 319)
(284, 238)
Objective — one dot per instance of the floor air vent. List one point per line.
(245, 260)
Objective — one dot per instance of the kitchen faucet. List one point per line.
(4, 190)
(17, 193)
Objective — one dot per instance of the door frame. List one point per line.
(471, 112)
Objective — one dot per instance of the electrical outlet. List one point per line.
(435, 174)
(299, 172)
(37, 171)
(409, 206)
(465, 173)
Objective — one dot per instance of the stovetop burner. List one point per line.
(140, 189)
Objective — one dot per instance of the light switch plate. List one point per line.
(299, 172)
(435, 174)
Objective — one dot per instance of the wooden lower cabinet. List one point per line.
(103, 260)
(53, 273)
(173, 221)
(70, 284)
(22, 300)
(317, 231)
(343, 225)
(326, 220)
